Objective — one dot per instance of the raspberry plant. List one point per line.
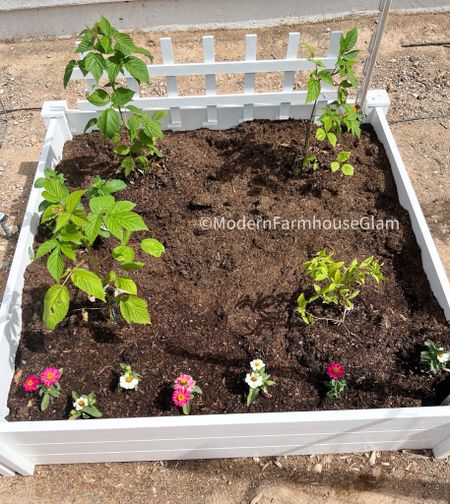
(338, 114)
(106, 50)
(335, 283)
(75, 220)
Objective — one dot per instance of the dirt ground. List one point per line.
(418, 80)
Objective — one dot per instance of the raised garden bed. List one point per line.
(221, 297)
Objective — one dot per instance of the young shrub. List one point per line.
(335, 283)
(337, 114)
(47, 383)
(84, 406)
(435, 357)
(336, 382)
(185, 389)
(257, 380)
(105, 50)
(74, 228)
(128, 379)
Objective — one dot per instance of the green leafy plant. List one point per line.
(74, 227)
(101, 187)
(84, 406)
(335, 283)
(435, 357)
(105, 50)
(337, 114)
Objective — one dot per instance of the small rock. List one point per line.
(318, 468)
(256, 459)
(256, 498)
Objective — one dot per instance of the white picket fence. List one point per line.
(24, 444)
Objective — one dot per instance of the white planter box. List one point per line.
(24, 444)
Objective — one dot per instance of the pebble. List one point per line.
(256, 498)
(318, 468)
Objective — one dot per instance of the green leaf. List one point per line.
(108, 123)
(332, 139)
(113, 67)
(62, 220)
(334, 166)
(99, 97)
(152, 128)
(45, 402)
(313, 90)
(130, 221)
(105, 27)
(68, 251)
(114, 185)
(123, 253)
(126, 284)
(54, 191)
(347, 169)
(320, 134)
(124, 43)
(56, 305)
(55, 264)
(95, 64)
(101, 204)
(137, 68)
(152, 247)
(134, 309)
(88, 282)
(343, 156)
(68, 72)
(131, 266)
(121, 96)
(71, 201)
(350, 40)
(90, 123)
(44, 248)
(93, 411)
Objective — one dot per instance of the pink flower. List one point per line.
(31, 383)
(181, 397)
(50, 376)
(335, 370)
(184, 381)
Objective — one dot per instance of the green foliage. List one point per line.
(76, 219)
(336, 387)
(339, 113)
(335, 283)
(107, 52)
(341, 164)
(435, 357)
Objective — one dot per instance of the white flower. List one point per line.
(442, 356)
(81, 403)
(254, 380)
(127, 381)
(257, 365)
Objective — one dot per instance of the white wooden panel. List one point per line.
(249, 78)
(226, 452)
(291, 53)
(12, 460)
(5, 471)
(210, 80)
(442, 449)
(222, 67)
(171, 81)
(431, 261)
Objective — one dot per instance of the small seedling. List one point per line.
(435, 357)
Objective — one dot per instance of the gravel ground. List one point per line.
(418, 80)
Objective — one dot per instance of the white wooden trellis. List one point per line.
(210, 105)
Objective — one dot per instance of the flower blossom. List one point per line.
(254, 380)
(50, 376)
(185, 382)
(81, 403)
(257, 365)
(128, 381)
(335, 370)
(31, 383)
(181, 397)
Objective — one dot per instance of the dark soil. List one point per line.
(219, 298)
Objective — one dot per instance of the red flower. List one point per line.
(335, 370)
(31, 383)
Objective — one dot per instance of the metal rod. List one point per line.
(373, 51)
